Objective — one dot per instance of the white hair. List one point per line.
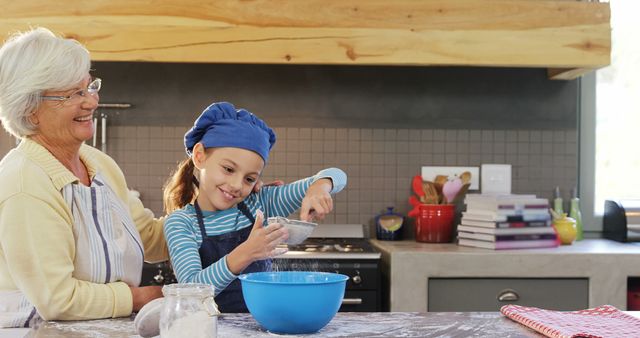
(30, 63)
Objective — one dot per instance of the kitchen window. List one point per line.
(609, 121)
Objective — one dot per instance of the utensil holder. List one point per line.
(434, 223)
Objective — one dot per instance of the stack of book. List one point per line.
(506, 222)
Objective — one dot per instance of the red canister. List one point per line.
(434, 224)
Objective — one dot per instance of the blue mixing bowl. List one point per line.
(293, 302)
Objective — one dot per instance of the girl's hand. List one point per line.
(317, 202)
(262, 241)
(261, 244)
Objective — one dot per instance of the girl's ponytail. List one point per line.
(181, 187)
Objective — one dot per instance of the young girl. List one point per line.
(216, 229)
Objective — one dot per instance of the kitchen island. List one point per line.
(344, 324)
(600, 268)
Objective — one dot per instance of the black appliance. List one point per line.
(354, 257)
(157, 274)
(339, 248)
(621, 220)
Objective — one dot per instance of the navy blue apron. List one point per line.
(213, 248)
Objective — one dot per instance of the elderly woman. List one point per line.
(72, 236)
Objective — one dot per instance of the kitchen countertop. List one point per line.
(409, 264)
(344, 324)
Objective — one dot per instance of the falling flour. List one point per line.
(194, 325)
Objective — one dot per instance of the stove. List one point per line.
(340, 248)
(333, 248)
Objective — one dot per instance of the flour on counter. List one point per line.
(194, 325)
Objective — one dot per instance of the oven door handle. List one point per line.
(351, 301)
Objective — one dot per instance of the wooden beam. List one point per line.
(502, 33)
(567, 73)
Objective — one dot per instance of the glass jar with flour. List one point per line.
(189, 310)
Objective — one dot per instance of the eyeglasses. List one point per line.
(92, 88)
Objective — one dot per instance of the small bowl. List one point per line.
(298, 230)
(293, 302)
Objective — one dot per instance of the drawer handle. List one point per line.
(351, 301)
(508, 295)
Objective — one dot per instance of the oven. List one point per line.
(339, 248)
(157, 274)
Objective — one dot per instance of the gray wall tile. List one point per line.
(379, 177)
(380, 124)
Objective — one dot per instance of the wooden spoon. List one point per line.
(441, 180)
(460, 195)
(430, 193)
(465, 177)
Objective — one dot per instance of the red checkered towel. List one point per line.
(602, 321)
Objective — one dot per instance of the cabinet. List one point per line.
(568, 38)
(489, 294)
(586, 274)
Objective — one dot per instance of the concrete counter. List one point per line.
(408, 266)
(344, 324)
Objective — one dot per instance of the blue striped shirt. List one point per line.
(183, 233)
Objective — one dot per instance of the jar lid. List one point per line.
(188, 289)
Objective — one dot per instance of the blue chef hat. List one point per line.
(222, 125)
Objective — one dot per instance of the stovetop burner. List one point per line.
(339, 246)
(329, 248)
(334, 241)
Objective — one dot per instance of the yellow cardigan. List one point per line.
(37, 245)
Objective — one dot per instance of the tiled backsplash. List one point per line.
(380, 124)
(378, 162)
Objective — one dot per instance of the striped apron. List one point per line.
(108, 247)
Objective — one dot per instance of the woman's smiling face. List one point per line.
(70, 121)
(227, 175)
